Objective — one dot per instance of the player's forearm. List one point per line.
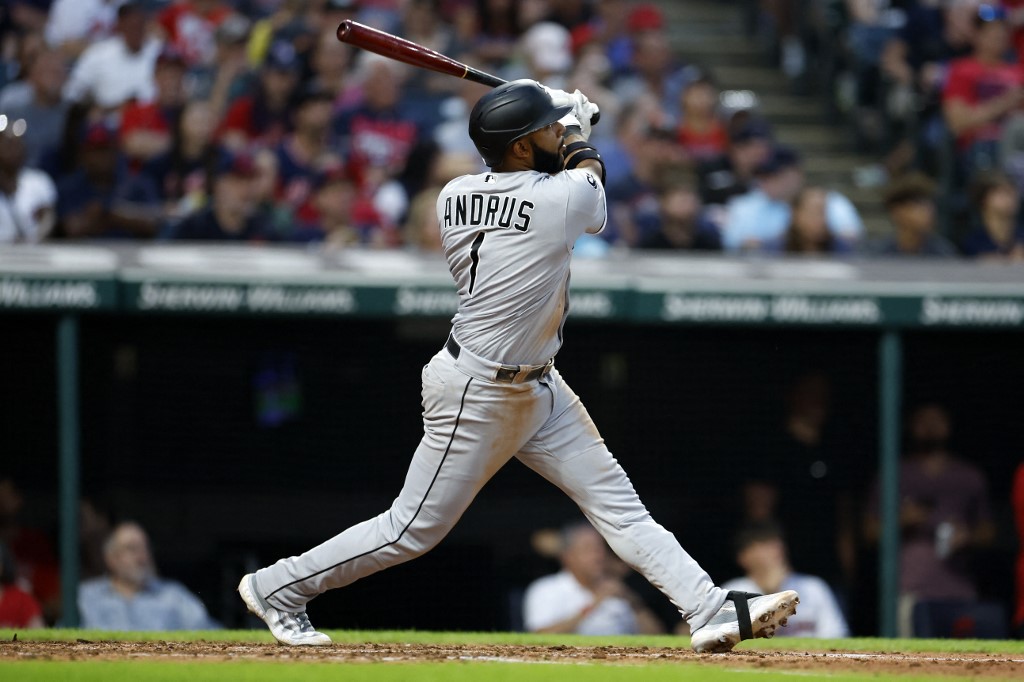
(593, 165)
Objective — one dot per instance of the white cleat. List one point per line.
(724, 630)
(293, 629)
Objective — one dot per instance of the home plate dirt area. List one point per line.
(973, 665)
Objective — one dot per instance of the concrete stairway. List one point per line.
(712, 35)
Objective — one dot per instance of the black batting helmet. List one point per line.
(508, 112)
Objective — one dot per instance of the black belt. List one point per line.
(506, 374)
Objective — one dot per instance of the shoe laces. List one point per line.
(303, 620)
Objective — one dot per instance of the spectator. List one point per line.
(808, 231)
(421, 231)
(732, 173)
(27, 196)
(119, 68)
(762, 554)
(450, 133)
(335, 207)
(331, 64)
(146, 126)
(945, 513)
(190, 26)
(683, 223)
(757, 220)
(873, 24)
(633, 209)
(804, 465)
(997, 230)
(910, 203)
(131, 596)
(1017, 502)
(229, 76)
(306, 151)
(233, 214)
(183, 176)
(654, 70)
(546, 54)
(38, 99)
(498, 28)
(262, 117)
(379, 135)
(94, 525)
(74, 25)
(18, 608)
(97, 199)
(32, 552)
(701, 133)
(585, 597)
(981, 90)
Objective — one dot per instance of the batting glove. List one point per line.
(574, 125)
(559, 98)
(583, 108)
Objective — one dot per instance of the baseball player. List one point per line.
(492, 392)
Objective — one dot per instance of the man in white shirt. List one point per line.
(73, 25)
(585, 597)
(120, 68)
(28, 198)
(761, 552)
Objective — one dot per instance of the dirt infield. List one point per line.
(881, 664)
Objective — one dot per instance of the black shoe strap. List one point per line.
(742, 612)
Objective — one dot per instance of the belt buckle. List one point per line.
(522, 374)
(507, 374)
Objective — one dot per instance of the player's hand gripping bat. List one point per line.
(408, 52)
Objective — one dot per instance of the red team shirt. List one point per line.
(973, 82)
(192, 33)
(17, 608)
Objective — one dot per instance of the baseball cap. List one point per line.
(342, 4)
(645, 17)
(170, 55)
(98, 135)
(754, 129)
(282, 56)
(338, 173)
(780, 159)
(240, 164)
(548, 46)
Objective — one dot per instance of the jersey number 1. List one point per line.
(474, 255)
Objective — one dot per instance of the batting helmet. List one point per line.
(508, 112)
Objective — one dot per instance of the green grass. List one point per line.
(278, 670)
(93, 671)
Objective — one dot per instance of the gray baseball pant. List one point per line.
(472, 426)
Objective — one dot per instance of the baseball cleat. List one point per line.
(293, 629)
(744, 616)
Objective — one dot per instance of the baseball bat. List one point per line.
(413, 54)
(408, 52)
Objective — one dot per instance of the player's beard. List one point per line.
(545, 161)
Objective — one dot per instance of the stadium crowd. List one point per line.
(247, 120)
(932, 89)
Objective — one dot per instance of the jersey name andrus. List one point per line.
(488, 210)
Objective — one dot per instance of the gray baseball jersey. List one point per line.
(508, 238)
(492, 394)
